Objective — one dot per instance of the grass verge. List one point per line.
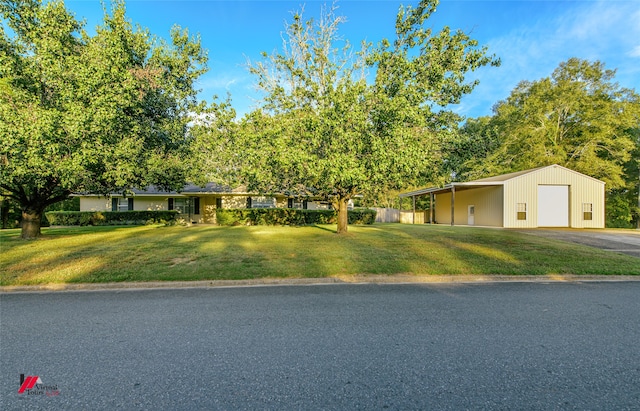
(157, 253)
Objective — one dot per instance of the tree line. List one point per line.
(117, 110)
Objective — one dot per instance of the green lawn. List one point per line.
(158, 253)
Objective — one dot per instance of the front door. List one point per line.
(471, 219)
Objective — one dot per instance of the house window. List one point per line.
(261, 202)
(297, 203)
(219, 202)
(521, 209)
(188, 206)
(122, 204)
(587, 211)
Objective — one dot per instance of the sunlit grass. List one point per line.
(154, 253)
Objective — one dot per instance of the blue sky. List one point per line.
(530, 36)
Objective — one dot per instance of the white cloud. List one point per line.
(635, 52)
(599, 30)
(214, 81)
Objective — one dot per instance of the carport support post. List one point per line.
(431, 210)
(413, 218)
(453, 203)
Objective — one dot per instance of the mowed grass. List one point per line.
(158, 253)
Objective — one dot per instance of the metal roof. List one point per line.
(483, 182)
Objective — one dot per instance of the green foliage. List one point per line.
(618, 211)
(289, 216)
(90, 113)
(578, 118)
(97, 218)
(475, 141)
(71, 204)
(325, 130)
(362, 216)
(9, 213)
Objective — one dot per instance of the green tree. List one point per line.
(82, 113)
(579, 118)
(475, 141)
(623, 203)
(330, 128)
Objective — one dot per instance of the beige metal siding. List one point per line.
(499, 205)
(443, 208)
(487, 202)
(589, 192)
(520, 192)
(582, 189)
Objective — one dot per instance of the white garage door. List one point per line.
(553, 206)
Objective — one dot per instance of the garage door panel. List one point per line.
(553, 206)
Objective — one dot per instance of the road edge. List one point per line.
(353, 279)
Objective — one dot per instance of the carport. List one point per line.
(550, 196)
(450, 190)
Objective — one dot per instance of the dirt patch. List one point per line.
(182, 260)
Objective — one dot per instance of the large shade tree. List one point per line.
(89, 113)
(337, 122)
(579, 117)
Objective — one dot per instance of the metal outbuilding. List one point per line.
(551, 196)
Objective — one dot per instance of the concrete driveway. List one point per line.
(621, 241)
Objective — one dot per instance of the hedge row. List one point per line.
(289, 216)
(248, 216)
(111, 217)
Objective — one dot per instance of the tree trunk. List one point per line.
(31, 221)
(343, 216)
(4, 211)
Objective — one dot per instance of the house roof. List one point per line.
(188, 189)
(209, 188)
(486, 182)
(504, 177)
(195, 190)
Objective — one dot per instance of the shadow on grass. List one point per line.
(151, 253)
(59, 255)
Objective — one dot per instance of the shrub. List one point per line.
(362, 216)
(289, 216)
(84, 218)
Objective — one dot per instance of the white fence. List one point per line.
(387, 215)
(393, 215)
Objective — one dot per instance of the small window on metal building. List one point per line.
(521, 209)
(587, 211)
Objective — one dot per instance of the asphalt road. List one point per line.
(537, 346)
